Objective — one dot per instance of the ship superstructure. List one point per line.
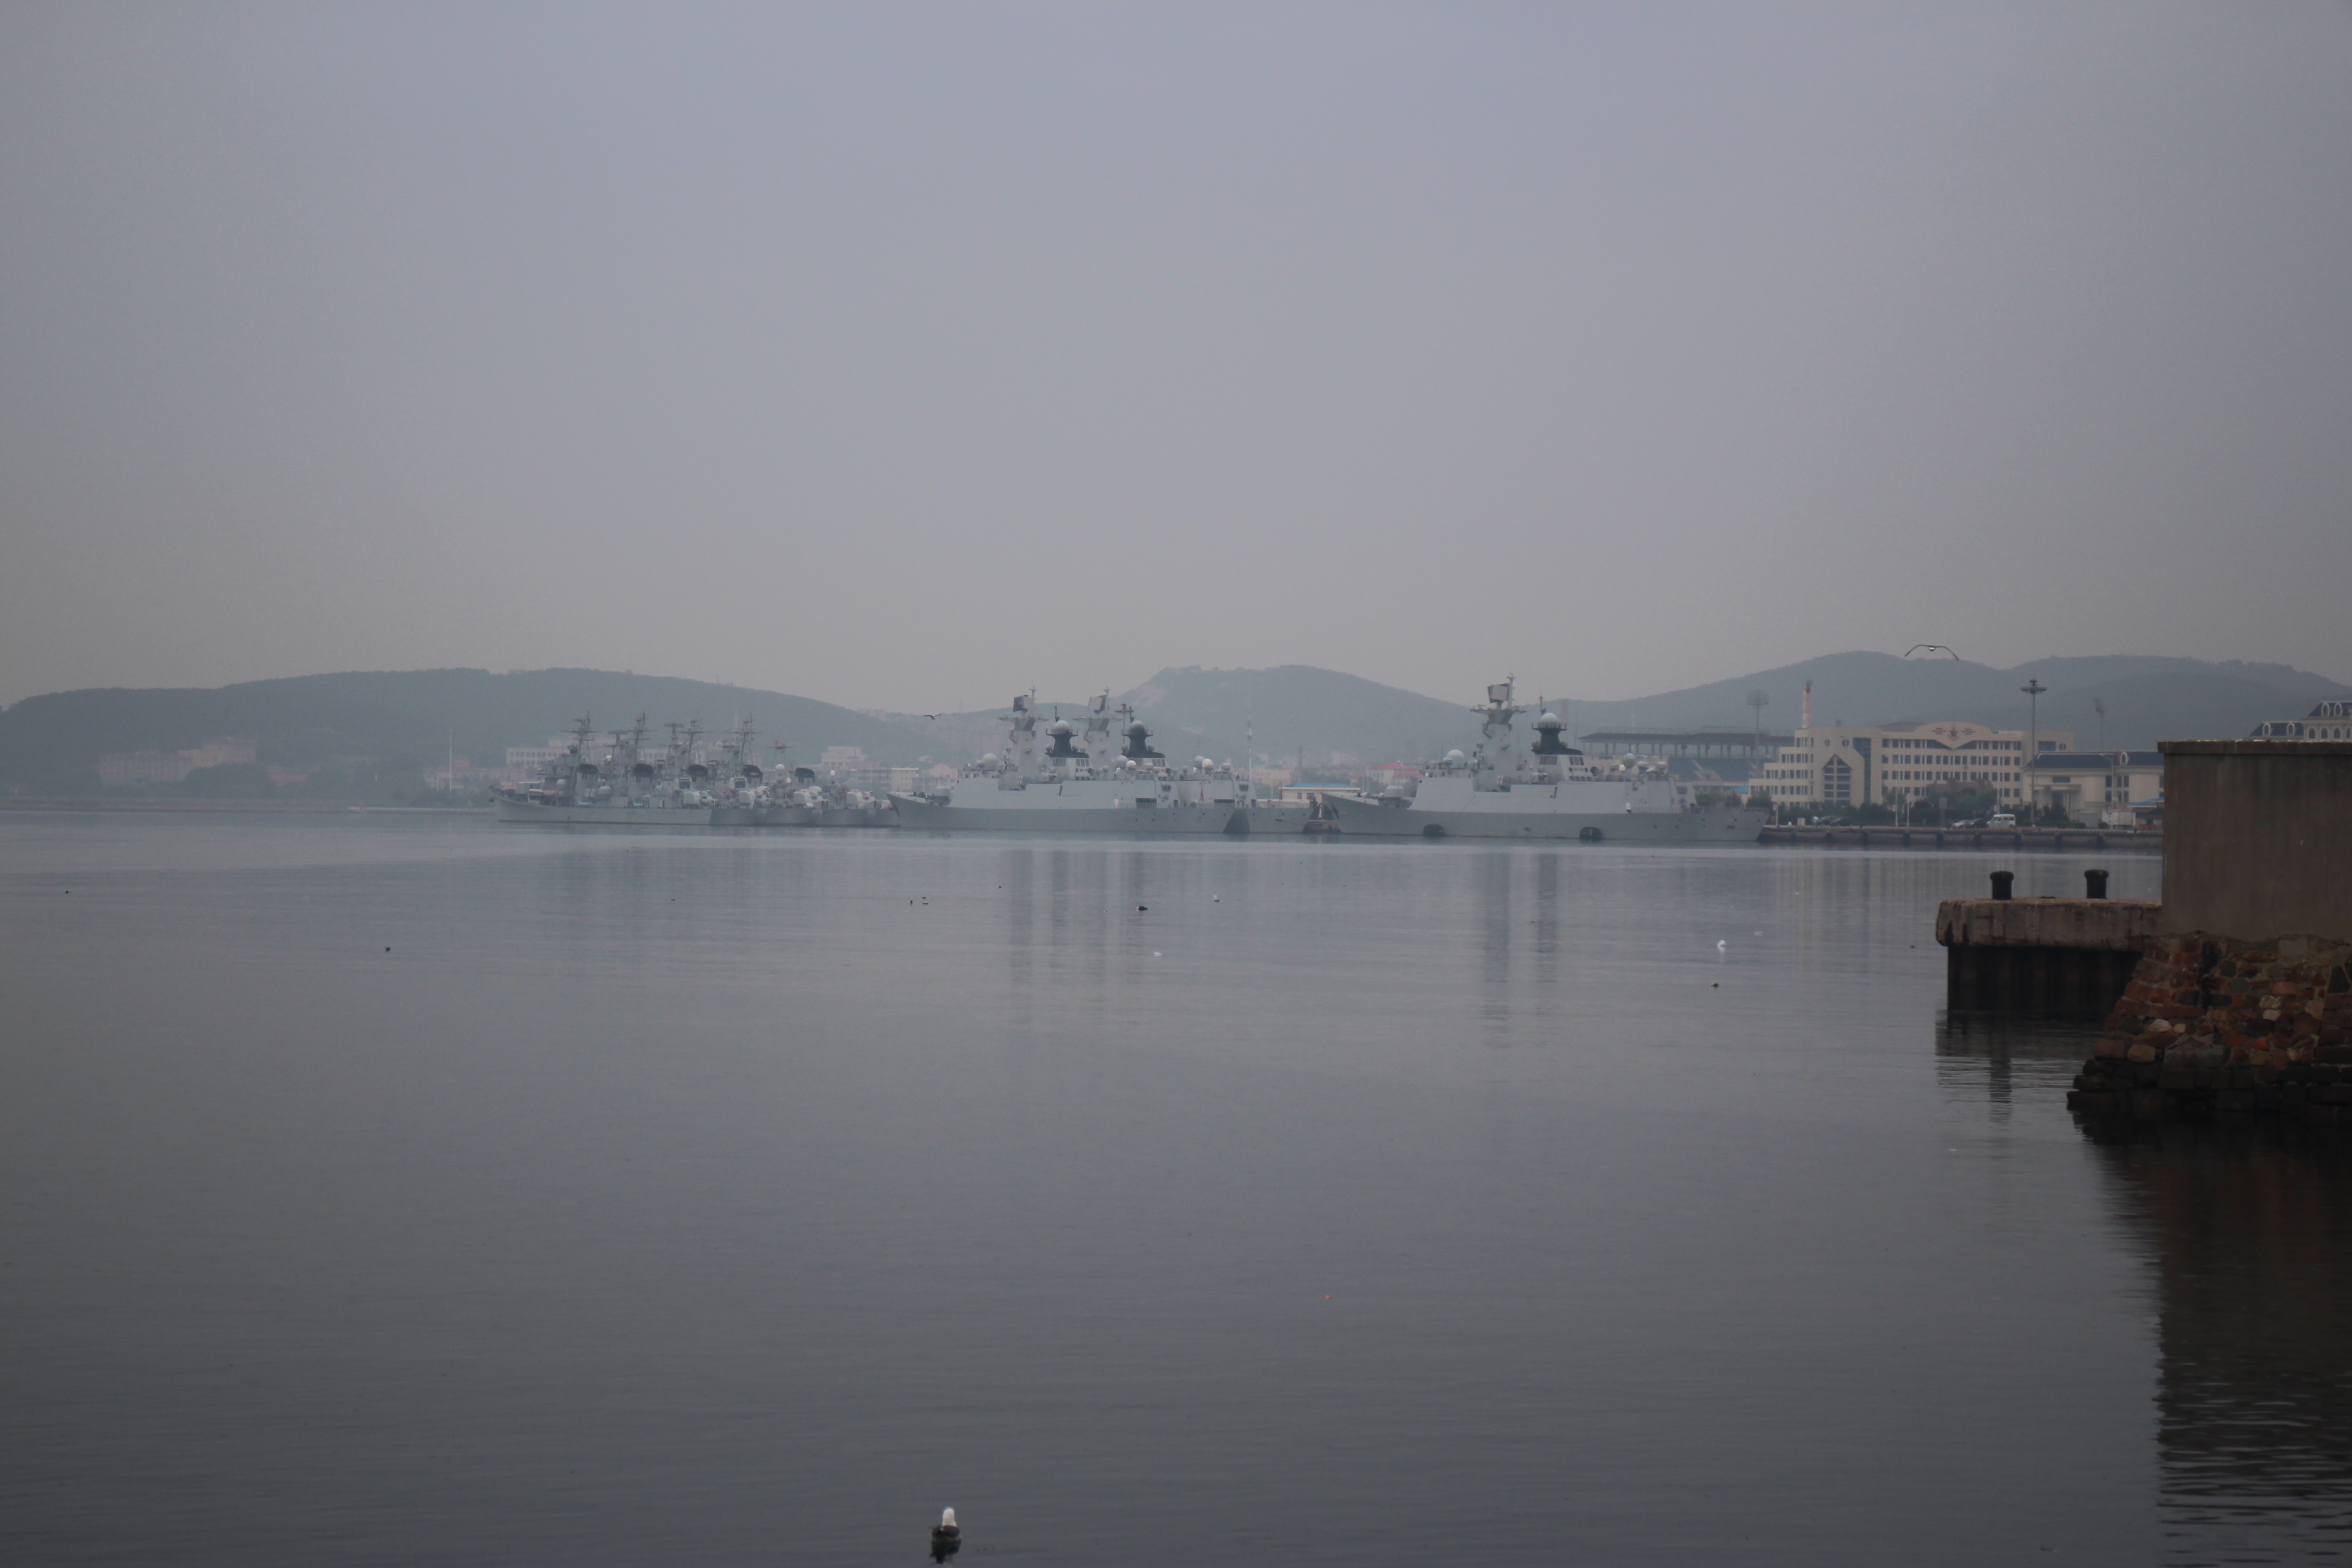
(619, 782)
(1076, 784)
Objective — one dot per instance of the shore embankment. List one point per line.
(234, 807)
(2147, 840)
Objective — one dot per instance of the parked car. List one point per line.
(2001, 819)
(1970, 821)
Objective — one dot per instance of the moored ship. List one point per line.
(743, 797)
(625, 786)
(1551, 791)
(1073, 787)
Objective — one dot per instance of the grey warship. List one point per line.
(1077, 785)
(627, 785)
(1551, 791)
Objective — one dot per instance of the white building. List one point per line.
(1890, 764)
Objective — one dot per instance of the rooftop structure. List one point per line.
(2329, 721)
(1708, 740)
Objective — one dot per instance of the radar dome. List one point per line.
(990, 760)
(1137, 729)
(1061, 727)
(1548, 721)
(1456, 756)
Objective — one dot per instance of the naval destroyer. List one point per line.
(1549, 791)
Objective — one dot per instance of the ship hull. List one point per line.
(1373, 820)
(1272, 817)
(854, 817)
(603, 815)
(1180, 819)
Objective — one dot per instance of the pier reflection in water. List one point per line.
(1997, 1057)
(2244, 1230)
(2248, 1231)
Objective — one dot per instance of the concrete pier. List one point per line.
(2043, 955)
(2243, 1001)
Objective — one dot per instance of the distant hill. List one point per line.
(1281, 713)
(1295, 709)
(1327, 716)
(402, 720)
(2148, 698)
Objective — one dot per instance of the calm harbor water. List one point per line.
(378, 1190)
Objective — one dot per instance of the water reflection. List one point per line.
(1493, 878)
(1546, 920)
(1993, 1059)
(2249, 1231)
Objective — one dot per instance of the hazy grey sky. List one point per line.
(911, 355)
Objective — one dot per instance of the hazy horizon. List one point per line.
(1069, 694)
(907, 356)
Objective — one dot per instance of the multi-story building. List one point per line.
(2330, 720)
(117, 769)
(1890, 764)
(2098, 786)
(536, 758)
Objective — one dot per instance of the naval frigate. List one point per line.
(1549, 791)
(628, 786)
(1077, 784)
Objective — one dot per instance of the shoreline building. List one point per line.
(2114, 788)
(2331, 719)
(1892, 764)
(118, 770)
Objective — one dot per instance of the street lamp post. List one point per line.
(2033, 689)
(1926, 647)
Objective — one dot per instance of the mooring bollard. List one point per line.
(2001, 881)
(2094, 884)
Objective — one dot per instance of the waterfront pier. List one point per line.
(2042, 955)
(2241, 1001)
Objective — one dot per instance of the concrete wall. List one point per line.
(2042, 955)
(2117, 925)
(2258, 837)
